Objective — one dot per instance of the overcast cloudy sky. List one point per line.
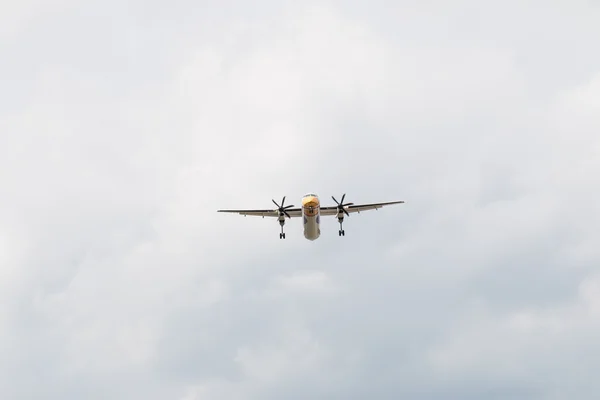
(125, 126)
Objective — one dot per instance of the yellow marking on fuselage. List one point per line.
(310, 204)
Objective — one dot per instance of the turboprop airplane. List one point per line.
(311, 212)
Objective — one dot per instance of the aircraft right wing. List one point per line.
(293, 212)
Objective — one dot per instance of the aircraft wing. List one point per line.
(357, 207)
(293, 212)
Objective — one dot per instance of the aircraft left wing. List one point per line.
(293, 212)
(357, 207)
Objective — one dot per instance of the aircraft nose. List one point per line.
(310, 201)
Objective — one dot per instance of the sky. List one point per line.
(125, 126)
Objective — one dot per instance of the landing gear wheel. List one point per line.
(282, 236)
(342, 233)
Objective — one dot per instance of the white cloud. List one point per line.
(317, 281)
(118, 273)
(534, 345)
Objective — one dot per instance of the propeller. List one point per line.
(341, 205)
(281, 208)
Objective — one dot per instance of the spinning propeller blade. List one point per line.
(341, 205)
(281, 208)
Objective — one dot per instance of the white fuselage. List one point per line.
(311, 216)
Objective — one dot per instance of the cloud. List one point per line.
(120, 280)
(527, 345)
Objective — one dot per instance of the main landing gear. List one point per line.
(282, 234)
(341, 210)
(282, 214)
(341, 232)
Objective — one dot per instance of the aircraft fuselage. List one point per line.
(311, 216)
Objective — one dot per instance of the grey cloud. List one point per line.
(120, 280)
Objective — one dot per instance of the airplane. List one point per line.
(311, 212)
